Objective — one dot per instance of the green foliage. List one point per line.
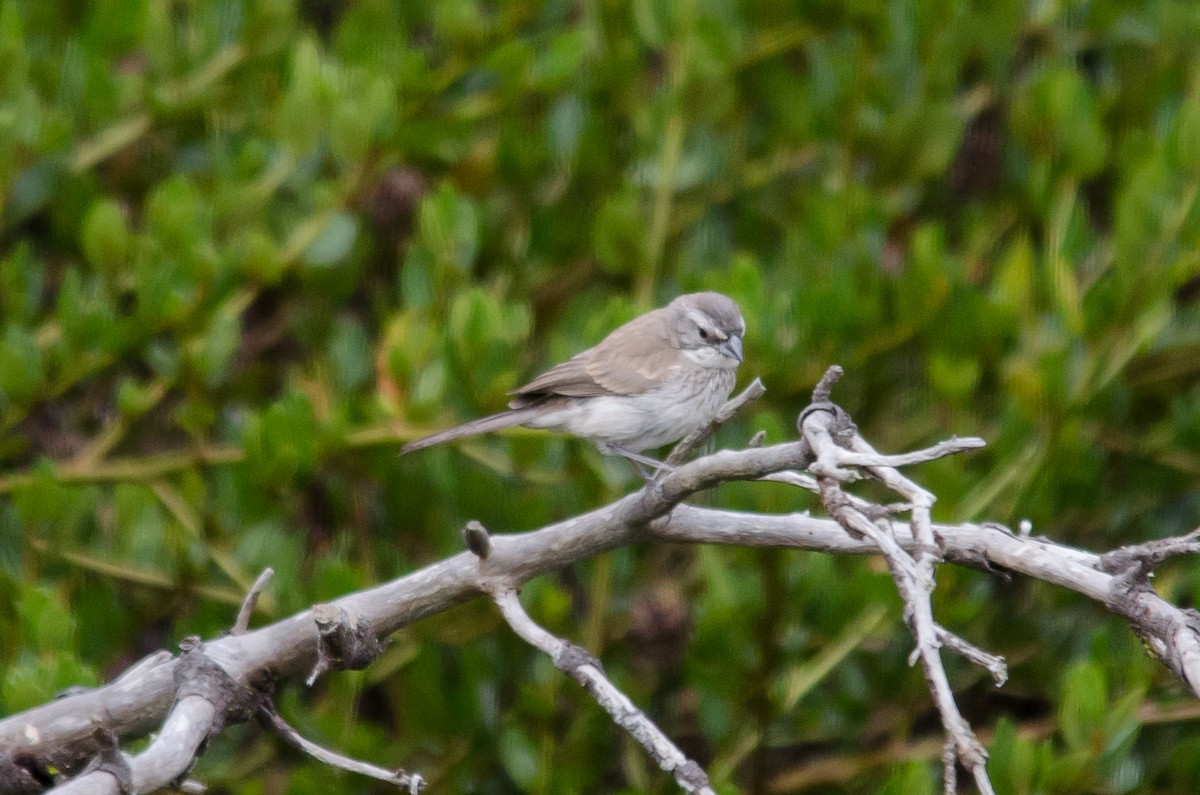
(249, 246)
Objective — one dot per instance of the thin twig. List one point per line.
(247, 609)
(995, 664)
(411, 782)
(847, 458)
(586, 670)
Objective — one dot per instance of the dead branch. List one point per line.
(80, 733)
(586, 670)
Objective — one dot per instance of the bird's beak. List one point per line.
(732, 347)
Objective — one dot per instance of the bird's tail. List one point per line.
(494, 422)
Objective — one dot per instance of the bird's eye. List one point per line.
(703, 334)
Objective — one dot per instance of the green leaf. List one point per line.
(913, 778)
(33, 681)
(106, 236)
(1084, 705)
(266, 543)
(20, 366)
(47, 623)
(449, 225)
(1012, 285)
(350, 352)
(220, 342)
(562, 59)
(619, 233)
(281, 445)
(360, 109)
(134, 399)
(564, 126)
(1187, 137)
(1057, 114)
(954, 376)
(34, 188)
(417, 287)
(1010, 760)
(21, 281)
(259, 257)
(334, 242)
(519, 756)
(302, 111)
(144, 537)
(177, 219)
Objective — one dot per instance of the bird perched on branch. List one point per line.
(652, 381)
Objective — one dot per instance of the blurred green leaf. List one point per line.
(47, 623)
(350, 352)
(618, 235)
(20, 366)
(520, 757)
(334, 242)
(449, 225)
(22, 279)
(33, 681)
(1084, 706)
(302, 108)
(282, 443)
(106, 235)
(1010, 760)
(220, 343)
(911, 779)
(363, 105)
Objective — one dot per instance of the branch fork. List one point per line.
(841, 456)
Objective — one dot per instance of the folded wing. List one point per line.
(631, 360)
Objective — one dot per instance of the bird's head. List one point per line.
(708, 329)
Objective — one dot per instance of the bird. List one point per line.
(650, 382)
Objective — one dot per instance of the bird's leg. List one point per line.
(641, 462)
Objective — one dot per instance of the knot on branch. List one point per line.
(1135, 564)
(476, 537)
(572, 657)
(691, 777)
(841, 428)
(72, 690)
(342, 642)
(842, 507)
(1132, 572)
(975, 559)
(197, 674)
(16, 777)
(110, 760)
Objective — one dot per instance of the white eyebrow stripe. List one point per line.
(705, 322)
(700, 319)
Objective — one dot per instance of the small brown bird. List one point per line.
(652, 381)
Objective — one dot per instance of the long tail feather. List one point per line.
(494, 422)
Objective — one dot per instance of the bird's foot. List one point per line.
(651, 469)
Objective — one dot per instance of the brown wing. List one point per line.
(632, 359)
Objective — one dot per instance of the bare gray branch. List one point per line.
(585, 670)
